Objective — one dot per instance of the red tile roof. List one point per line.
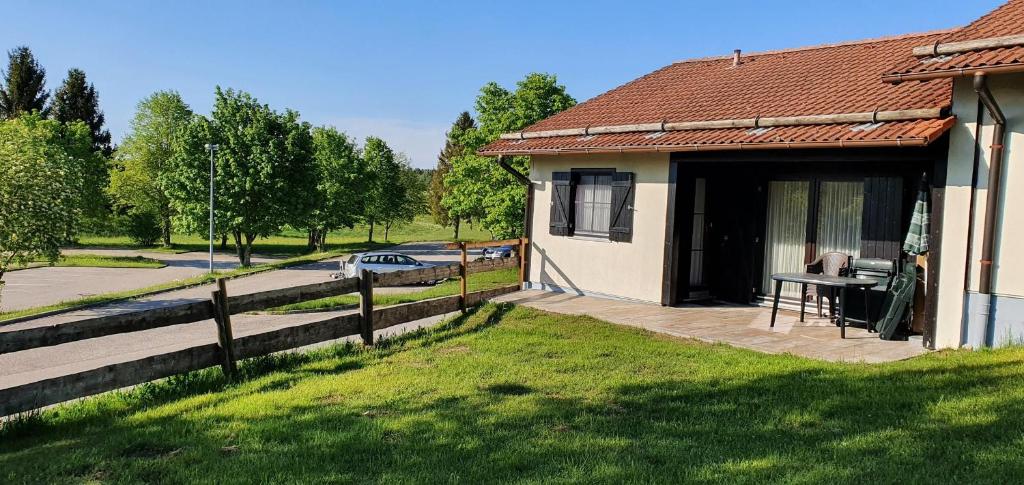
(823, 80)
(1005, 21)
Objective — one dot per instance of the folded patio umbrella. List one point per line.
(917, 237)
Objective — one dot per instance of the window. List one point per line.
(406, 260)
(593, 204)
(370, 259)
(596, 203)
(389, 259)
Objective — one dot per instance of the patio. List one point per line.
(736, 325)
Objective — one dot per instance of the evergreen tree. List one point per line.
(76, 100)
(452, 148)
(23, 88)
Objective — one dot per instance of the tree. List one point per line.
(40, 187)
(23, 88)
(143, 161)
(264, 171)
(385, 192)
(475, 184)
(411, 197)
(444, 216)
(76, 100)
(339, 189)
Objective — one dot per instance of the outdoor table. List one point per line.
(840, 282)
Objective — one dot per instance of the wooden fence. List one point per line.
(229, 349)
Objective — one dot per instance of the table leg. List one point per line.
(842, 312)
(867, 312)
(803, 300)
(775, 302)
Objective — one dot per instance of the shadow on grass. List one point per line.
(708, 414)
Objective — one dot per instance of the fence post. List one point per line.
(222, 316)
(462, 278)
(366, 306)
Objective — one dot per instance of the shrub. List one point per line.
(142, 227)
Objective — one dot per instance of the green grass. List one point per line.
(476, 282)
(291, 242)
(515, 395)
(98, 261)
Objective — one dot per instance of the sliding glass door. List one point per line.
(786, 233)
(834, 206)
(839, 217)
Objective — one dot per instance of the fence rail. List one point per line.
(30, 338)
(55, 390)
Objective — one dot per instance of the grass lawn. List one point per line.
(291, 242)
(476, 282)
(512, 394)
(99, 261)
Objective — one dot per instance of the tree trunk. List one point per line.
(312, 239)
(223, 242)
(165, 230)
(387, 230)
(370, 238)
(322, 240)
(239, 247)
(456, 223)
(249, 238)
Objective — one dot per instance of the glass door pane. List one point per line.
(839, 217)
(697, 236)
(786, 233)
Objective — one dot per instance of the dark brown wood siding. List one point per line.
(882, 218)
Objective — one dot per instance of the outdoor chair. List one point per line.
(832, 264)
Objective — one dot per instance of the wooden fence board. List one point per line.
(203, 310)
(55, 390)
(297, 336)
(275, 298)
(106, 325)
(484, 244)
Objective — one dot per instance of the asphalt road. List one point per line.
(47, 285)
(31, 365)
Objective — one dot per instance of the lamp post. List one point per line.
(213, 150)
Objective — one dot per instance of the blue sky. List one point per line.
(404, 70)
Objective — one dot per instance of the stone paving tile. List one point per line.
(737, 325)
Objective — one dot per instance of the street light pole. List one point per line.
(213, 149)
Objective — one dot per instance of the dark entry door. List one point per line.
(734, 205)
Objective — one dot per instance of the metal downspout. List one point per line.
(994, 179)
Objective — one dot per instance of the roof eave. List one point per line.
(895, 142)
(896, 78)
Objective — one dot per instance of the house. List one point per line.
(705, 177)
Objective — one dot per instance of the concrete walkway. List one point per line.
(48, 285)
(736, 325)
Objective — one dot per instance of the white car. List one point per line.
(498, 252)
(378, 262)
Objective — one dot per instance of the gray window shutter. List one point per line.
(621, 229)
(561, 204)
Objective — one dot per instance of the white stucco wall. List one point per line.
(958, 270)
(630, 270)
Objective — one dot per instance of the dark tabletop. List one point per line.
(826, 280)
